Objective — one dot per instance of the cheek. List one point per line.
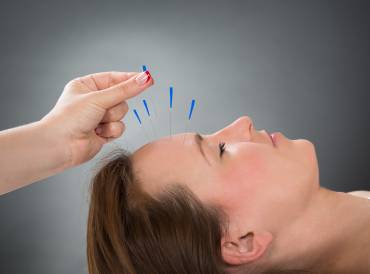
(267, 185)
(249, 166)
(241, 177)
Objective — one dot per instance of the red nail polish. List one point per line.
(149, 76)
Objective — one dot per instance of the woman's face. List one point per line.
(259, 185)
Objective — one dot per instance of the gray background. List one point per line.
(299, 67)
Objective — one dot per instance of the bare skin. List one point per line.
(69, 134)
(361, 193)
(271, 191)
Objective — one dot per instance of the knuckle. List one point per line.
(109, 115)
(120, 126)
(118, 112)
(112, 127)
(115, 126)
(118, 129)
(73, 82)
(124, 107)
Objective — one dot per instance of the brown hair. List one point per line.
(131, 232)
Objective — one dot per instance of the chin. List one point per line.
(304, 142)
(307, 150)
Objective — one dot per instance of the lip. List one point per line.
(271, 138)
(274, 138)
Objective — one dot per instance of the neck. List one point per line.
(331, 236)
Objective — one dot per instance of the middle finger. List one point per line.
(115, 113)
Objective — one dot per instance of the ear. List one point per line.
(247, 248)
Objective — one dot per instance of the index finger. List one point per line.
(103, 80)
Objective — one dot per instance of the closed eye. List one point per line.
(221, 146)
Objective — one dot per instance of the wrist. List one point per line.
(57, 140)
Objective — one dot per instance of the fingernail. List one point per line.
(143, 77)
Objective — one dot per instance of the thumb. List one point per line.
(114, 95)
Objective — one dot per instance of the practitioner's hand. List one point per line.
(87, 115)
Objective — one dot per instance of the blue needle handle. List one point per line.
(137, 116)
(191, 108)
(146, 107)
(171, 96)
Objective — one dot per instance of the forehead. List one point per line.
(165, 146)
(167, 160)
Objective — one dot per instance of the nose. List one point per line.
(239, 130)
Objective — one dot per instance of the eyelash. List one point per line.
(221, 145)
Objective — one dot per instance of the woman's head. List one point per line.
(131, 232)
(259, 187)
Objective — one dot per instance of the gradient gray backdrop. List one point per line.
(299, 67)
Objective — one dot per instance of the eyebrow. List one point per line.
(199, 140)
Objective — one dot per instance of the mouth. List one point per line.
(272, 139)
(276, 137)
